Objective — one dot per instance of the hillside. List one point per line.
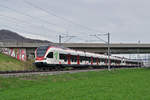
(8, 63)
(9, 36)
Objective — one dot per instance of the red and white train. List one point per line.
(54, 56)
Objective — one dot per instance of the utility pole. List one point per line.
(60, 39)
(108, 45)
(138, 55)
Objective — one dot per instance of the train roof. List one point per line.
(82, 53)
(65, 50)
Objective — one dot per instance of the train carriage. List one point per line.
(53, 56)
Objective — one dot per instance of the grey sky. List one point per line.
(126, 20)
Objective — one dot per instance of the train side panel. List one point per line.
(58, 56)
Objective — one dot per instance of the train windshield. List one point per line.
(41, 51)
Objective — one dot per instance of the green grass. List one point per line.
(8, 63)
(123, 84)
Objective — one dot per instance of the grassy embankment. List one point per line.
(121, 84)
(8, 63)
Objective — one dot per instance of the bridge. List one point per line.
(116, 48)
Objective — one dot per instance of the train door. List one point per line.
(97, 61)
(68, 57)
(78, 59)
(91, 60)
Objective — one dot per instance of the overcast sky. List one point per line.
(127, 20)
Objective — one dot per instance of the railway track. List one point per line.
(28, 73)
(52, 72)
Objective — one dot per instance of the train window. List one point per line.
(112, 60)
(102, 60)
(73, 58)
(115, 61)
(41, 51)
(50, 55)
(90, 59)
(81, 58)
(94, 60)
(63, 57)
(98, 60)
(86, 58)
(119, 61)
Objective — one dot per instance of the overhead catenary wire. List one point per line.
(95, 35)
(24, 22)
(24, 14)
(79, 39)
(68, 37)
(33, 17)
(28, 15)
(60, 17)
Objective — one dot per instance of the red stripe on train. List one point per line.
(39, 58)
